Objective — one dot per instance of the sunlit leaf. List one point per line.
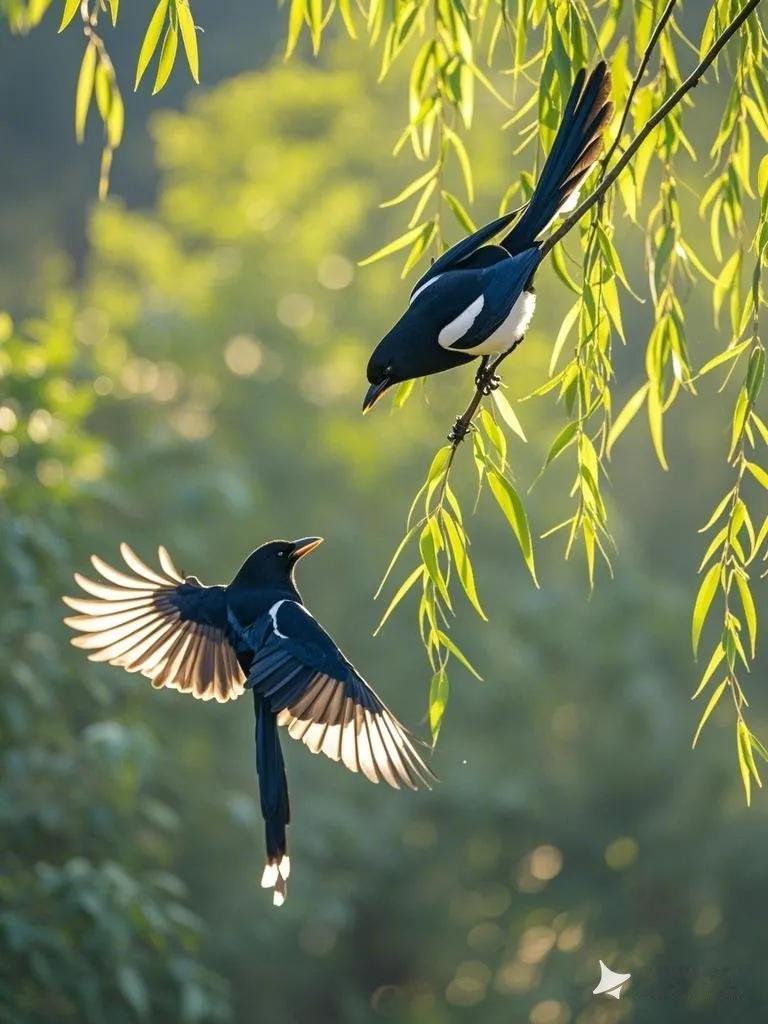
(512, 507)
(713, 701)
(151, 39)
(189, 37)
(704, 599)
(84, 92)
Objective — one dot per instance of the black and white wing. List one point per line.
(325, 702)
(169, 628)
(471, 304)
(463, 249)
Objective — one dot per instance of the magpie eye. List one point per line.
(388, 369)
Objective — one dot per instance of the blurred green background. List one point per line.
(184, 365)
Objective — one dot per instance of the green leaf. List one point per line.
(70, 10)
(717, 656)
(461, 561)
(508, 414)
(703, 602)
(446, 641)
(392, 247)
(428, 551)
(566, 326)
(458, 211)
(741, 740)
(116, 118)
(114, 9)
(709, 709)
(625, 417)
(755, 373)
(167, 58)
(439, 692)
(750, 612)
(84, 90)
(561, 442)
(398, 551)
(411, 189)
(656, 424)
(417, 574)
(510, 504)
(295, 23)
(189, 37)
(403, 393)
(758, 473)
(151, 39)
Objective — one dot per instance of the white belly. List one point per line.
(511, 330)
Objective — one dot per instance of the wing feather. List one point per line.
(170, 629)
(324, 702)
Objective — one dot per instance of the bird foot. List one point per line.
(487, 382)
(459, 431)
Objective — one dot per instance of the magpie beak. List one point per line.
(374, 393)
(304, 546)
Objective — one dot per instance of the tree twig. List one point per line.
(463, 422)
(658, 29)
(664, 110)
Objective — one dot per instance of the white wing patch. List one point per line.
(418, 290)
(273, 615)
(509, 332)
(456, 329)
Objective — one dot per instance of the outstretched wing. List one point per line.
(169, 628)
(324, 702)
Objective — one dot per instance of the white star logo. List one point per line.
(610, 982)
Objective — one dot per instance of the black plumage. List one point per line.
(477, 299)
(216, 642)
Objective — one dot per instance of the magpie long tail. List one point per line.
(273, 790)
(576, 147)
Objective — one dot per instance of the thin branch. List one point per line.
(658, 29)
(664, 110)
(464, 421)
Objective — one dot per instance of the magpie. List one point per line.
(477, 299)
(253, 634)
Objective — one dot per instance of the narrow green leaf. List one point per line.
(84, 91)
(462, 562)
(625, 417)
(392, 247)
(446, 641)
(417, 574)
(512, 507)
(741, 740)
(70, 10)
(411, 189)
(167, 58)
(750, 612)
(189, 37)
(717, 656)
(508, 414)
(703, 602)
(561, 442)
(439, 692)
(718, 693)
(151, 39)
(428, 550)
(296, 18)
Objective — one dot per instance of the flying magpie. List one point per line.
(254, 634)
(478, 299)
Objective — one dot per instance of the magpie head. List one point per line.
(273, 563)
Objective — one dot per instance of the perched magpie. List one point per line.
(478, 299)
(254, 634)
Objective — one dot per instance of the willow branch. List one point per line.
(463, 422)
(661, 114)
(658, 29)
